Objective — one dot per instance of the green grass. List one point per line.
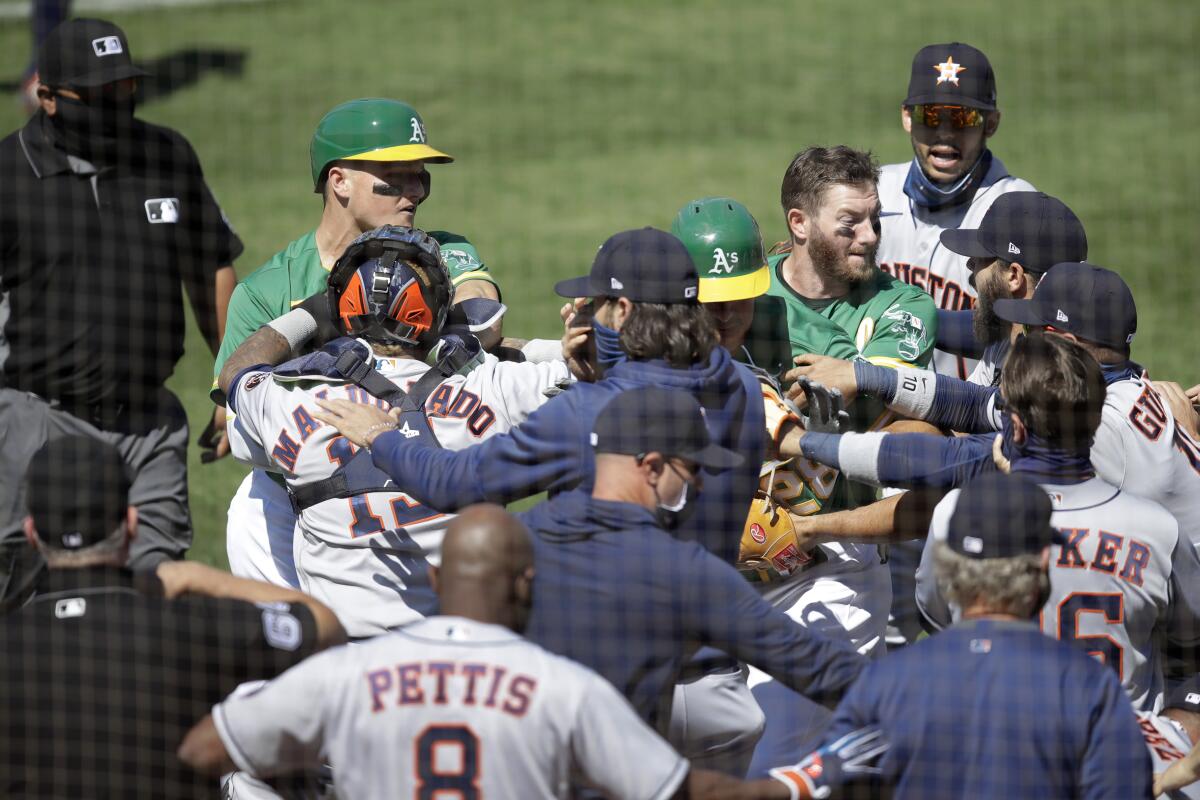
(571, 121)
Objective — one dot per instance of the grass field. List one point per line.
(571, 121)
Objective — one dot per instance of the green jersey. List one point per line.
(884, 321)
(296, 273)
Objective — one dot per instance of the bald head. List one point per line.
(487, 567)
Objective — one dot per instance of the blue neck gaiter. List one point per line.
(927, 194)
(608, 346)
(1044, 463)
(1124, 371)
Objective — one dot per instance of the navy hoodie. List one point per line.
(617, 593)
(552, 451)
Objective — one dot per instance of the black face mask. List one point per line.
(96, 133)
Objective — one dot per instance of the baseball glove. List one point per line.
(769, 550)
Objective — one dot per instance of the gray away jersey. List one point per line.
(449, 707)
(1123, 580)
(1167, 744)
(1139, 449)
(911, 250)
(367, 557)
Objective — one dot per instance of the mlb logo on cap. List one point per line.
(107, 46)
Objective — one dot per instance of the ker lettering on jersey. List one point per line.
(1110, 554)
(440, 683)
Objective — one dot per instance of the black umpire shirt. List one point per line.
(91, 260)
(101, 678)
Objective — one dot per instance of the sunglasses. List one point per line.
(931, 116)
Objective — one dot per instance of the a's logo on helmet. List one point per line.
(418, 132)
(757, 533)
(723, 262)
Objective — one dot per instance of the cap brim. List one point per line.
(741, 287)
(947, 100)
(1021, 312)
(403, 152)
(575, 287)
(112, 74)
(714, 456)
(965, 242)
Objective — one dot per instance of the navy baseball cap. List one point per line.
(85, 53)
(1001, 516)
(1030, 228)
(77, 491)
(1090, 302)
(667, 421)
(1186, 696)
(644, 265)
(953, 74)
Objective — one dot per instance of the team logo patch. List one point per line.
(790, 559)
(70, 608)
(981, 646)
(948, 71)
(281, 629)
(161, 210)
(107, 46)
(757, 533)
(408, 432)
(460, 260)
(909, 329)
(1193, 698)
(254, 380)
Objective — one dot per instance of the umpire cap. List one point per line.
(85, 53)
(77, 491)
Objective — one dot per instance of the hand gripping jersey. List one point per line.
(1167, 743)
(449, 707)
(1122, 582)
(365, 546)
(911, 250)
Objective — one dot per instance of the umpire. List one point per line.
(991, 707)
(104, 672)
(103, 218)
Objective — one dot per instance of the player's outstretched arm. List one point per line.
(898, 518)
(265, 346)
(192, 577)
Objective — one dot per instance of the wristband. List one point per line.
(297, 327)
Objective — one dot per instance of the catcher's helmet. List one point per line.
(724, 241)
(370, 129)
(391, 287)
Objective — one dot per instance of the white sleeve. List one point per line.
(521, 388)
(539, 350)
(268, 732)
(1109, 447)
(244, 430)
(617, 752)
(930, 601)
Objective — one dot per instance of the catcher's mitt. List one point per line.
(769, 549)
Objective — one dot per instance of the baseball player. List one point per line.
(950, 113)
(456, 705)
(1170, 735)
(1123, 577)
(364, 545)
(828, 270)
(368, 160)
(1140, 448)
(991, 708)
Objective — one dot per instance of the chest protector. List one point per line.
(349, 361)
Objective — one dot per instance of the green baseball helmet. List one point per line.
(724, 241)
(370, 129)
